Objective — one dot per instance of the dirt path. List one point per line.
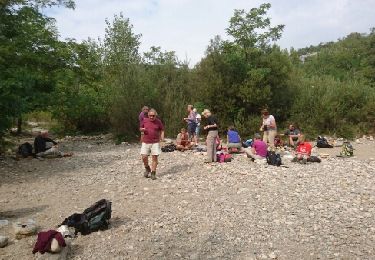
(237, 210)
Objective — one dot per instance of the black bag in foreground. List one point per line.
(273, 158)
(94, 218)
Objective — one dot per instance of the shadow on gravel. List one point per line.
(76, 250)
(23, 212)
(117, 222)
(31, 170)
(175, 169)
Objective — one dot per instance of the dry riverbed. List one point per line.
(236, 210)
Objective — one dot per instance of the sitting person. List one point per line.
(293, 134)
(278, 141)
(233, 139)
(182, 141)
(303, 150)
(46, 147)
(258, 149)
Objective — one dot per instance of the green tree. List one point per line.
(80, 98)
(29, 58)
(122, 75)
(252, 29)
(242, 76)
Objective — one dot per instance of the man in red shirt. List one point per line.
(153, 132)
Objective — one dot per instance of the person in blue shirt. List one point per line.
(233, 139)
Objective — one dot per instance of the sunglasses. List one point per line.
(151, 115)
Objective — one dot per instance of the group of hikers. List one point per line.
(152, 133)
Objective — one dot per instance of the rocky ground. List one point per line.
(236, 210)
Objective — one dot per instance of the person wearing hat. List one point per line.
(212, 134)
(258, 149)
(269, 128)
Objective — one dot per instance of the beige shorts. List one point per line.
(153, 149)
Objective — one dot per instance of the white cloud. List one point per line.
(186, 26)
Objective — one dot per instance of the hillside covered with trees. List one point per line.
(100, 85)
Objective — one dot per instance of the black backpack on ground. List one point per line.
(321, 142)
(314, 159)
(25, 150)
(94, 218)
(273, 158)
(168, 148)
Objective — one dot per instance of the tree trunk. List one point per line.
(19, 125)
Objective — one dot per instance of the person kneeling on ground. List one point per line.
(303, 150)
(46, 147)
(233, 139)
(258, 149)
(182, 141)
(293, 134)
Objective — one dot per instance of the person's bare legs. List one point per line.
(147, 167)
(195, 139)
(291, 142)
(180, 147)
(153, 166)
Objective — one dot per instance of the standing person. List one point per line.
(143, 115)
(192, 123)
(198, 120)
(153, 132)
(258, 149)
(212, 134)
(269, 128)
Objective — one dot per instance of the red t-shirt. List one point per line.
(153, 129)
(304, 148)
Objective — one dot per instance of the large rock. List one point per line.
(3, 222)
(3, 241)
(24, 229)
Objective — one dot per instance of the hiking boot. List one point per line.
(146, 174)
(304, 161)
(153, 175)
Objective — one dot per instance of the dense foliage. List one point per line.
(101, 85)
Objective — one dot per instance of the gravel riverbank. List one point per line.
(236, 210)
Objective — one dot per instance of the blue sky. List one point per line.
(186, 26)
